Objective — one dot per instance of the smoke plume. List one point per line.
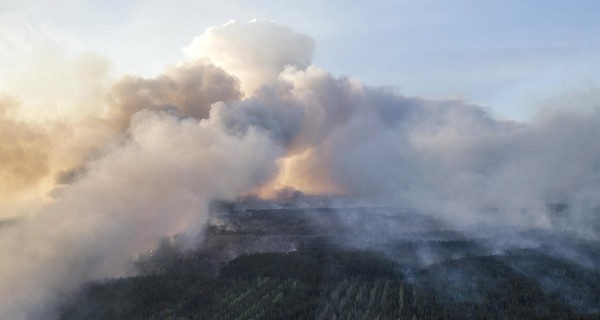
(247, 112)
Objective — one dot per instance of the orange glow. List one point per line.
(301, 172)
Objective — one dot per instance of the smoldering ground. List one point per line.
(256, 116)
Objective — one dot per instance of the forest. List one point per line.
(321, 278)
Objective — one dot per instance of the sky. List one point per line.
(507, 56)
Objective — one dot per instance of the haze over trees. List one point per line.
(327, 277)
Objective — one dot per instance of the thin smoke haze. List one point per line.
(248, 113)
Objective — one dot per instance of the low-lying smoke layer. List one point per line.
(249, 113)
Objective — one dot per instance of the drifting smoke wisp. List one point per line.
(249, 113)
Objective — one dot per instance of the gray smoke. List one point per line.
(249, 113)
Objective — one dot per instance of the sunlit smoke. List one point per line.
(122, 163)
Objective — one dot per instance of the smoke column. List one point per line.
(247, 112)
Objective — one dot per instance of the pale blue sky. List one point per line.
(509, 56)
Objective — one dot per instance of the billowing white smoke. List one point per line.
(171, 144)
(255, 52)
(155, 183)
(446, 158)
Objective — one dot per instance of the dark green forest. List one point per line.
(334, 284)
(322, 279)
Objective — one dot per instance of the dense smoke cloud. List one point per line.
(191, 88)
(255, 52)
(248, 113)
(156, 183)
(23, 161)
